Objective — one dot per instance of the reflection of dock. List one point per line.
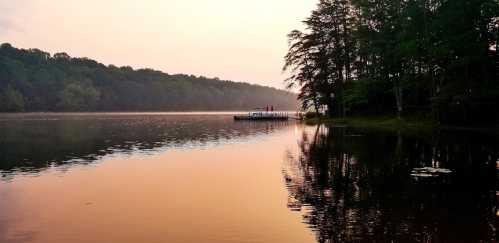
(264, 116)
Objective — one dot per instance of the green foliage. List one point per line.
(357, 94)
(77, 97)
(399, 57)
(34, 80)
(12, 100)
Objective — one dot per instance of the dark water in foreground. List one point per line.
(205, 178)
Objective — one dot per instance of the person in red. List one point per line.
(267, 108)
(271, 108)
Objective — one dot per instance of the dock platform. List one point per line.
(263, 116)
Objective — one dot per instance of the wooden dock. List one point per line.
(263, 116)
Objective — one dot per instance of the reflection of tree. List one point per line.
(355, 186)
(35, 143)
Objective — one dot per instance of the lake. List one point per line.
(202, 177)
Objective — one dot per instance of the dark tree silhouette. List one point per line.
(435, 58)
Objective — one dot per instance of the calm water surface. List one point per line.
(162, 177)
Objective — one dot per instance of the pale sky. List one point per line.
(240, 40)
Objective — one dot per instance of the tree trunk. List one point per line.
(398, 98)
(316, 105)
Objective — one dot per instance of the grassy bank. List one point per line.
(383, 122)
(413, 124)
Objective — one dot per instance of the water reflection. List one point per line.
(30, 143)
(355, 185)
(207, 179)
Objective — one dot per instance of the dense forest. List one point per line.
(437, 59)
(34, 80)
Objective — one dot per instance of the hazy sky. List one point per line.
(240, 40)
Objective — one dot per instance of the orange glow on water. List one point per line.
(227, 193)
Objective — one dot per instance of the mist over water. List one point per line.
(36, 141)
(202, 177)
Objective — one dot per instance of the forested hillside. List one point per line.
(436, 58)
(34, 80)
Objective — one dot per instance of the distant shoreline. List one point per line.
(140, 112)
(35, 81)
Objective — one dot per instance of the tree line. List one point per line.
(34, 80)
(435, 58)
